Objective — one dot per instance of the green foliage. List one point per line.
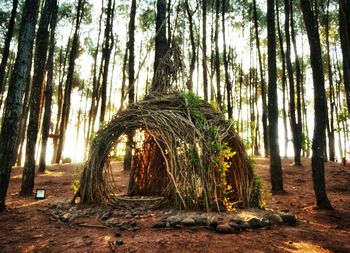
(147, 19)
(190, 100)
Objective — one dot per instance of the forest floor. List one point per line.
(27, 226)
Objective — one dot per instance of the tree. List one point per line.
(6, 49)
(275, 159)
(13, 106)
(344, 31)
(204, 49)
(319, 138)
(160, 80)
(262, 80)
(294, 125)
(106, 54)
(69, 80)
(48, 92)
(41, 46)
(131, 70)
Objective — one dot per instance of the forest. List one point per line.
(196, 106)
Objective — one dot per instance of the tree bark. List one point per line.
(293, 122)
(131, 72)
(69, 80)
(48, 92)
(42, 42)
(161, 49)
(13, 108)
(344, 31)
(263, 86)
(319, 138)
(227, 77)
(275, 159)
(107, 49)
(204, 49)
(6, 48)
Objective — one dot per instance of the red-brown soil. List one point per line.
(27, 227)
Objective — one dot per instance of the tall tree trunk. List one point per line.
(69, 80)
(293, 122)
(227, 77)
(330, 123)
(107, 49)
(299, 125)
(284, 81)
(6, 48)
(275, 159)
(160, 82)
(262, 80)
(193, 46)
(319, 138)
(131, 72)
(13, 107)
(217, 55)
(46, 127)
(344, 31)
(42, 42)
(204, 49)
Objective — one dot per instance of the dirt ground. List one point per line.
(27, 227)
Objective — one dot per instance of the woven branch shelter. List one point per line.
(190, 155)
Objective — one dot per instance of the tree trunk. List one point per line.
(107, 49)
(330, 123)
(160, 83)
(69, 80)
(227, 77)
(275, 160)
(42, 42)
(293, 122)
(298, 126)
(46, 127)
(6, 48)
(344, 31)
(13, 111)
(263, 86)
(319, 138)
(284, 81)
(217, 55)
(131, 72)
(204, 49)
(193, 46)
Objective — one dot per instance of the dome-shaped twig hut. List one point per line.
(190, 155)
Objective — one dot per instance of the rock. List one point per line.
(188, 222)
(224, 229)
(214, 221)
(174, 224)
(201, 221)
(160, 224)
(264, 223)
(244, 225)
(236, 227)
(128, 216)
(276, 219)
(237, 220)
(118, 234)
(254, 223)
(288, 218)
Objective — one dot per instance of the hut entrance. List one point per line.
(148, 176)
